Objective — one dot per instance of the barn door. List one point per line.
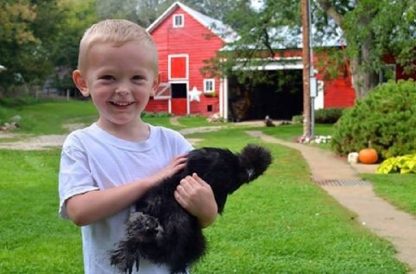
(179, 98)
(178, 72)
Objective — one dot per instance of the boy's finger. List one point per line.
(198, 179)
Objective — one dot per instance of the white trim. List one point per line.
(162, 97)
(212, 80)
(182, 20)
(170, 56)
(162, 17)
(225, 100)
(319, 99)
(276, 65)
(221, 96)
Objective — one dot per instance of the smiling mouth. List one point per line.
(121, 104)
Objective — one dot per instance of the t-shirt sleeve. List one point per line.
(182, 145)
(74, 174)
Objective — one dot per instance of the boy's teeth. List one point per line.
(121, 103)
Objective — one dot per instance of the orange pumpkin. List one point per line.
(368, 156)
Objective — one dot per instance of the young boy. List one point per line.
(107, 166)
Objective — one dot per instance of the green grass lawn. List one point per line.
(49, 117)
(291, 132)
(33, 239)
(282, 223)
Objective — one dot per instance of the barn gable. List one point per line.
(218, 28)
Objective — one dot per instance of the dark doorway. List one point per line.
(280, 97)
(178, 90)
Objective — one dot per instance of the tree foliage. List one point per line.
(371, 29)
(78, 15)
(38, 37)
(17, 38)
(263, 33)
(374, 29)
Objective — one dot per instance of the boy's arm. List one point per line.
(84, 209)
(197, 197)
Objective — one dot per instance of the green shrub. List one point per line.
(400, 164)
(297, 119)
(386, 118)
(3, 115)
(18, 101)
(328, 115)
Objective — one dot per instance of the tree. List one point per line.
(126, 9)
(372, 29)
(263, 33)
(78, 15)
(16, 38)
(27, 38)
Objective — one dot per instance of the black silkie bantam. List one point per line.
(161, 231)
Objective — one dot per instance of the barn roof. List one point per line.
(285, 37)
(226, 33)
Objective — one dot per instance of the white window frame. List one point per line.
(181, 21)
(208, 82)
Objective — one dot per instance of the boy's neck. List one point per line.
(136, 132)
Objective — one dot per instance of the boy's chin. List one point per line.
(119, 122)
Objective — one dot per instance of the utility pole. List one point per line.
(306, 56)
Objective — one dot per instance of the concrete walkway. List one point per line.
(342, 181)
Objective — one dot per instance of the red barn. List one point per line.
(186, 39)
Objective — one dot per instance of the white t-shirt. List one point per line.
(93, 159)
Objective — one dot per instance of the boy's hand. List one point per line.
(196, 196)
(174, 166)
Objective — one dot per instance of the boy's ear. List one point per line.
(155, 85)
(80, 82)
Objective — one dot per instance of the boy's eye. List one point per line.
(138, 77)
(106, 77)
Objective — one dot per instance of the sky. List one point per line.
(257, 4)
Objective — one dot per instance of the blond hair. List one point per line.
(117, 32)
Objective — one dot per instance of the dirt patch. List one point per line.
(36, 143)
(73, 126)
(39, 142)
(8, 135)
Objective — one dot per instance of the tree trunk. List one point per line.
(362, 81)
(364, 78)
(307, 122)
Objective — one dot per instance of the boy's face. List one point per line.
(119, 80)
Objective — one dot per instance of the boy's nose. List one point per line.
(122, 90)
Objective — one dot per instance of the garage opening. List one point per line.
(280, 97)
